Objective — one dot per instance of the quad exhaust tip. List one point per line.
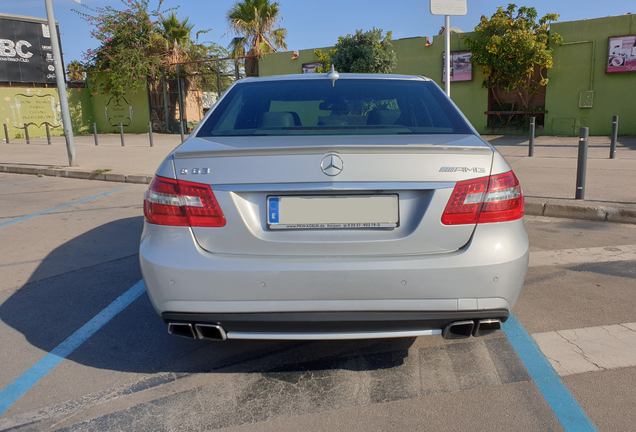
(182, 329)
(458, 330)
(485, 327)
(463, 329)
(212, 332)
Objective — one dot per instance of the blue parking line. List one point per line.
(15, 184)
(59, 207)
(28, 379)
(568, 411)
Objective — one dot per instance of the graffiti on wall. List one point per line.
(118, 110)
(36, 107)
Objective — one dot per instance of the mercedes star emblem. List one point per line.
(332, 165)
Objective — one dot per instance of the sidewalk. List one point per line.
(548, 178)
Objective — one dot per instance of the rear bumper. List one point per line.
(334, 323)
(485, 276)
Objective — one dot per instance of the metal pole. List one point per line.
(48, 134)
(165, 98)
(448, 53)
(183, 116)
(614, 137)
(6, 133)
(531, 145)
(150, 132)
(582, 163)
(121, 133)
(181, 129)
(218, 76)
(95, 133)
(26, 133)
(180, 101)
(61, 85)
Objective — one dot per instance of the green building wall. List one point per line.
(131, 110)
(80, 104)
(38, 106)
(579, 65)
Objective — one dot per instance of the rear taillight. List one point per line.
(181, 203)
(497, 198)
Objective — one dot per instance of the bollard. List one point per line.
(26, 133)
(531, 144)
(582, 163)
(614, 137)
(181, 129)
(6, 133)
(150, 132)
(48, 134)
(121, 133)
(95, 133)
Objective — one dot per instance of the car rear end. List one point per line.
(372, 210)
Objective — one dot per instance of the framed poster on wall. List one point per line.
(621, 54)
(461, 67)
(309, 68)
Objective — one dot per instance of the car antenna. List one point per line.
(333, 75)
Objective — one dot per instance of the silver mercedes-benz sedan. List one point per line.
(334, 206)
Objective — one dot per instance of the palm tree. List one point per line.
(75, 71)
(254, 21)
(176, 31)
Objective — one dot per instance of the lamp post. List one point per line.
(61, 86)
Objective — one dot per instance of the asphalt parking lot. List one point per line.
(70, 252)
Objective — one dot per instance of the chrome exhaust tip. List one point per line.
(212, 332)
(458, 330)
(182, 329)
(487, 326)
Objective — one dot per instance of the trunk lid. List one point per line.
(420, 169)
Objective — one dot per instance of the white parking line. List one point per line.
(589, 349)
(583, 255)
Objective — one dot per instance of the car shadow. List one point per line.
(80, 278)
(508, 140)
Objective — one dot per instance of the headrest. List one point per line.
(276, 120)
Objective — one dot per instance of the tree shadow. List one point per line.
(80, 278)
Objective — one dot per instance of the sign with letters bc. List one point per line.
(26, 54)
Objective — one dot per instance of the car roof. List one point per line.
(316, 76)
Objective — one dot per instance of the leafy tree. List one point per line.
(253, 22)
(513, 51)
(368, 52)
(325, 59)
(75, 71)
(131, 46)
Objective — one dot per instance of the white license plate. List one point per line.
(332, 212)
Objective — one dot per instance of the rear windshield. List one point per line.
(346, 107)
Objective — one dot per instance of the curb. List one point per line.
(593, 213)
(84, 175)
(534, 207)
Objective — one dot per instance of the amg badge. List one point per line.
(462, 169)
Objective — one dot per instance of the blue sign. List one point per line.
(273, 209)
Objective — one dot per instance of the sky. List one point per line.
(312, 24)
